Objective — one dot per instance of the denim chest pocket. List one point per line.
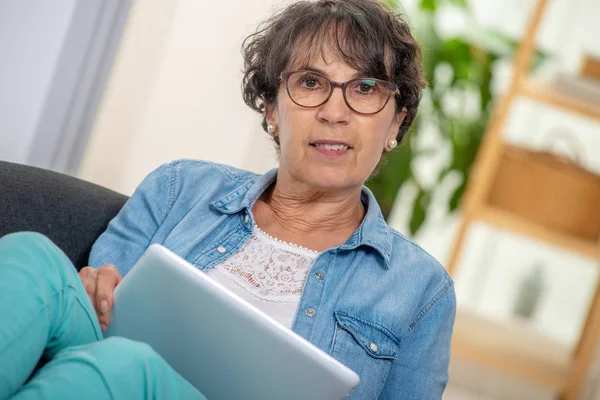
(367, 348)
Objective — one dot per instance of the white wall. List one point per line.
(181, 96)
(127, 94)
(31, 37)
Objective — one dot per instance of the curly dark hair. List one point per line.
(366, 34)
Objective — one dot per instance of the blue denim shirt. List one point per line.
(383, 306)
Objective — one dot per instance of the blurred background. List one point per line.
(107, 90)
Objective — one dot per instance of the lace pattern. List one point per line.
(268, 268)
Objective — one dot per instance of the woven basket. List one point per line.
(548, 190)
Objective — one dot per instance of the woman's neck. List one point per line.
(315, 219)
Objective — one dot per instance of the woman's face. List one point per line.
(303, 132)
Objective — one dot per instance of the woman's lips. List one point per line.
(331, 149)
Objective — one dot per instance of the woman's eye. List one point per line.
(310, 82)
(367, 87)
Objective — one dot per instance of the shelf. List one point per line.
(509, 221)
(546, 94)
(505, 346)
(512, 348)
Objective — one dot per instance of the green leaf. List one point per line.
(456, 196)
(458, 54)
(419, 212)
(428, 5)
(391, 177)
(459, 3)
(391, 3)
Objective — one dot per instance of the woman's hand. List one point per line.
(100, 284)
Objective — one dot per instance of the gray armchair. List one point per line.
(70, 211)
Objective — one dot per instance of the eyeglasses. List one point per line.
(363, 95)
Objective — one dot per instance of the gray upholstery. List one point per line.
(70, 211)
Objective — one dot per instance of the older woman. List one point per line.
(338, 83)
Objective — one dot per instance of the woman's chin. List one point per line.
(332, 179)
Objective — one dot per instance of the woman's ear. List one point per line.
(398, 120)
(271, 111)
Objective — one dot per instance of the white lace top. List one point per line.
(268, 273)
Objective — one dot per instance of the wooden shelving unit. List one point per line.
(506, 220)
(510, 347)
(516, 351)
(537, 92)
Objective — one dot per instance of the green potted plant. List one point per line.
(457, 103)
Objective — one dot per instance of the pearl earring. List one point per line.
(392, 144)
(271, 128)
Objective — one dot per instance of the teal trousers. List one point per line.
(45, 314)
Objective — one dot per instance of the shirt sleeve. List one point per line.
(421, 370)
(130, 233)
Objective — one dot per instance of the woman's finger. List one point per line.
(88, 278)
(104, 320)
(108, 278)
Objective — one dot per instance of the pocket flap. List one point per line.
(372, 337)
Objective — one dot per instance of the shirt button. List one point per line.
(221, 249)
(373, 347)
(319, 275)
(310, 312)
(246, 218)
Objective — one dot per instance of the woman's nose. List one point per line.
(335, 110)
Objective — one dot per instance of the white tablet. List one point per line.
(224, 346)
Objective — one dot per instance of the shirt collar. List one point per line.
(373, 232)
